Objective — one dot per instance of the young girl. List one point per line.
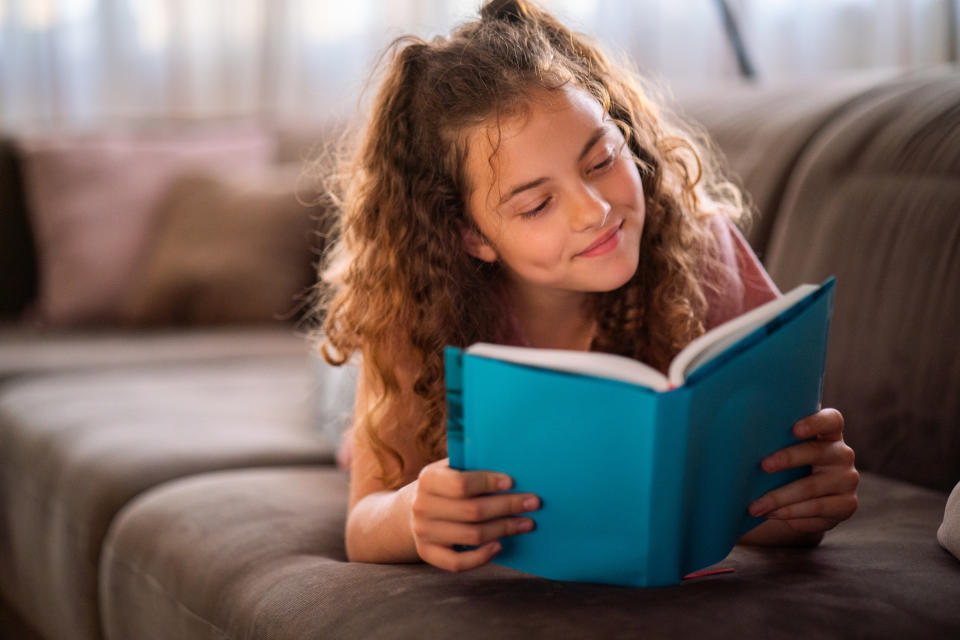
(515, 186)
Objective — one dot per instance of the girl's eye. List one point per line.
(603, 165)
(533, 212)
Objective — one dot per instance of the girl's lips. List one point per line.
(605, 243)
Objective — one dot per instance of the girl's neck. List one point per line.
(552, 319)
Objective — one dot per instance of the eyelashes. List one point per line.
(605, 163)
(533, 212)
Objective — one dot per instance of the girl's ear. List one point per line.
(476, 245)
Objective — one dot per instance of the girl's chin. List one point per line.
(612, 278)
(600, 280)
(606, 287)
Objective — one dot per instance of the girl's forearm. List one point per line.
(378, 527)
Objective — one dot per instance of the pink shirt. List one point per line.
(744, 285)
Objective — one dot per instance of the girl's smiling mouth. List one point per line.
(604, 244)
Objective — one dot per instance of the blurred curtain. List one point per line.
(79, 62)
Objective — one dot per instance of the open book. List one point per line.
(644, 478)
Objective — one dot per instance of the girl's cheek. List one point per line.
(559, 244)
(548, 251)
(630, 181)
(542, 248)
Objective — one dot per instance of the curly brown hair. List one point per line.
(397, 283)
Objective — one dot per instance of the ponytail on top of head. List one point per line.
(507, 10)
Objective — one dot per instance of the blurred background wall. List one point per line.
(79, 63)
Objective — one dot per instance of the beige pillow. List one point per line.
(232, 250)
(93, 198)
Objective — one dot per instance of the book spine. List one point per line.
(453, 374)
(829, 290)
(669, 500)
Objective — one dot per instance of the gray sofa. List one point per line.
(176, 484)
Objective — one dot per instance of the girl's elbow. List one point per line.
(352, 542)
(361, 541)
(376, 530)
(353, 555)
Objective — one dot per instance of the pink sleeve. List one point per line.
(743, 284)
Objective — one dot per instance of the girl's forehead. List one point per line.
(491, 143)
(538, 103)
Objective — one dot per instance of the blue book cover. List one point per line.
(643, 478)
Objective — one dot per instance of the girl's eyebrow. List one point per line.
(595, 135)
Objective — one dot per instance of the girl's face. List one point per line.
(566, 210)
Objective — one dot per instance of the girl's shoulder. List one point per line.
(740, 283)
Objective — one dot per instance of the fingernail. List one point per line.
(525, 525)
(768, 464)
(757, 508)
(495, 547)
(531, 503)
(802, 430)
(504, 483)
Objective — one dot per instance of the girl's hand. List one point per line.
(453, 508)
(826, 497)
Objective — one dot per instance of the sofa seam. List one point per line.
(156, 585)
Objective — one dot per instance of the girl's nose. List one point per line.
(590, 209)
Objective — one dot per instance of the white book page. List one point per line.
(614, 367)
(713, 342)
(593, 363)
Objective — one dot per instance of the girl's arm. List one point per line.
(436, 508)
(377, 518)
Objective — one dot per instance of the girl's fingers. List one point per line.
(439, 479)
(837, 507)
(450, 533)
(812, 486)
(826, 424)
(480, 509)
(812, 452)
(447, 558)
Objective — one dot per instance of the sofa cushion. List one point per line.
(227, 250)
(27, 350)
(874, 201)
(93, 201)
(260, 554)
(744, 121)
(77, 446)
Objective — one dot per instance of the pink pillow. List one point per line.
(94, 199)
